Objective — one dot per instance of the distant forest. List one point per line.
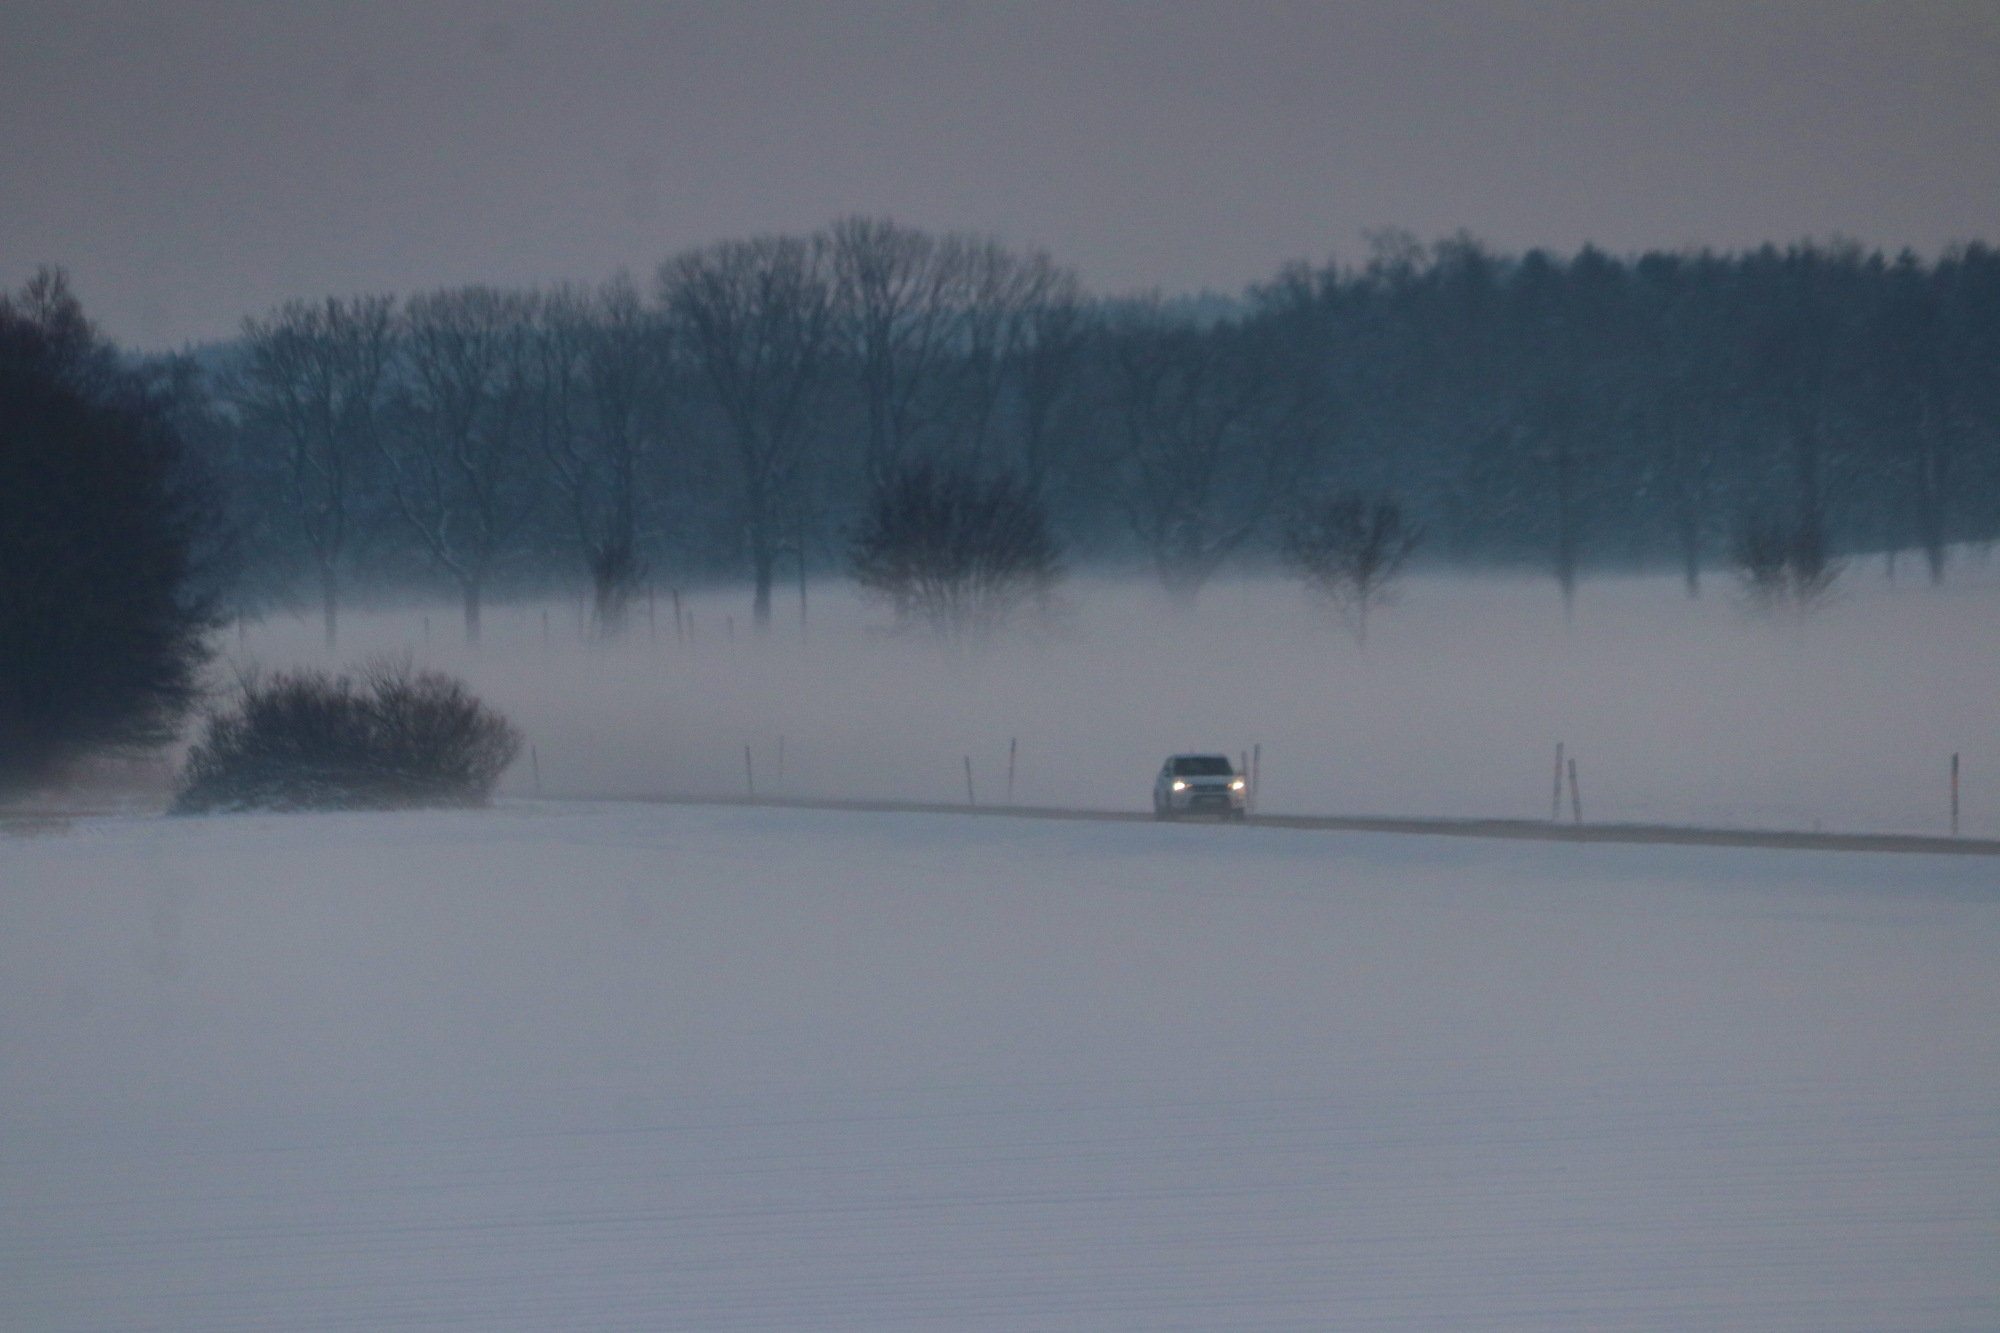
(725, 418)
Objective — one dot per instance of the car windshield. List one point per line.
(1202, 766)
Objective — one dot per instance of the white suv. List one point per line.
(1195, 783)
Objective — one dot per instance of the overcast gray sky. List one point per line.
(192, 163)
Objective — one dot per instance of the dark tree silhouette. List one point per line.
(1211, 443)
(900, 297)
(315, 376)
(304, 741)
(1559, 412)
(757, 318)
(599, 369)
(1784, 568)
(953, 550)
(102, 521)
(1349, 550)
(1048, 359)
(456, 464)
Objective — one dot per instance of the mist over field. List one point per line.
(1676, 710)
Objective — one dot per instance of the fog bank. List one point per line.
(1677, 711)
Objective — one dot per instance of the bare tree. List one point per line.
(901, 296)
(757, 316)
(315, 375)
(598, 362)
(1349, 550)
(457, 463)
(991, 305)
(955, 550)
(1023, 333)
(1209, 444)
(1048, 353)
(941, 330)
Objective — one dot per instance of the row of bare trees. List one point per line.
(743, 411)
(459, 414)
(764, 389)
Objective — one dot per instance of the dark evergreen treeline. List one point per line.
(1543, 411)
(108, 552)
(728, 418)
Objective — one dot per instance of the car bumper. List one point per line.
(1197, 802)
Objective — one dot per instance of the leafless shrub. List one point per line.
(953, 550)
(1784, 568)
(304, 740)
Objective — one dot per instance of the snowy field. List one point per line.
(1677, 711)
(564, 1066)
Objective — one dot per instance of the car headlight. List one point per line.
(1236, 785)
(1180, 786)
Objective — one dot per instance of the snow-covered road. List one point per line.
(629, 1067)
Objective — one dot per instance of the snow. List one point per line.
(605, 1066)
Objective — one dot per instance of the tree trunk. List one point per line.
(611, 604)
(1932, 492)
(1689, 532)
(1182, 580)
(765, 561)
(329, 591)
(613, 575)
(1566, 540)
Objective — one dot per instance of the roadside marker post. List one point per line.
(1954, 794)
(1556, 794)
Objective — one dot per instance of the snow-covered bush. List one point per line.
(309, 741)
